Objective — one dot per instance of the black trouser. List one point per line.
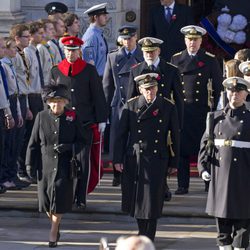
(147, 227)
(233, 232)
(82, 182)
(183, 174)
(2, 132)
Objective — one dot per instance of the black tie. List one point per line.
(106, 44)
(40, 69)
(152, 67)
(129, 55)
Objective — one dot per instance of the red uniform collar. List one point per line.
(65, 67)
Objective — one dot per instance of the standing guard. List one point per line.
(229, 172)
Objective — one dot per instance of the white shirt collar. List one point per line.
(171, 6)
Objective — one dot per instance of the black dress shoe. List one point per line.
(181, 190)
(116, 181)
(168, 195)
(2, 189)
(81, 205)
(52, 243)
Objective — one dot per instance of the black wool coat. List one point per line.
(55, 188)
(229, 188)
(169, 83)
(195, 74)
(141, 144)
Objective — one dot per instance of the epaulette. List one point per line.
(171, 101)
(172, 64)
(133, 66)
(113, 50)
(209, 54)
(177, 54)
(133, 98)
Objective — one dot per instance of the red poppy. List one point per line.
(173, 18)
(201, 64)
(158, 78)
(70, 115)
(155, 112)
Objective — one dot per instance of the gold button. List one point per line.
(182, 74)
(235, 159)
(219, 133)
(140, 141)
(156, 141)
(199, 74)
(244, 112)
(139, 131)
(119, 76)
(239, 133)
(182, 83)
(54, 169)
(138, 121)
(220, 158)
(73, 108)
(162, 85)
(185, 99)
(55, 144)
(220, 121)
(155, 151)
(198, 83)
(196, 100)
(183, 91)
(241, 121)
(55, 132)
(158, 131)
(141, 151)
(55, 156)
(197, 91)
(56, 120)
(160, 94)
(160, 121)
(121, 87)
(72, 90)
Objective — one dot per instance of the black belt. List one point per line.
(34, 94)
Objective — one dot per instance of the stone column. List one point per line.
(10, 13)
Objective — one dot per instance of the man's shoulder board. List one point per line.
(209, 54)
(177, 54)
(133, 98)
(171, 101)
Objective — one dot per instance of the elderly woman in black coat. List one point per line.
(48, 156)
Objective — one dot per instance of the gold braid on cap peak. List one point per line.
(234, 81)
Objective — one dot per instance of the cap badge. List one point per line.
(193, 31)
(148, 42)
(53, 7)
(71, 41)
(125, 31)
(234, 82)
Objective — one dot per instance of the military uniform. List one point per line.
(201, 77)
(228, 196)
(87, 99)
(95, 46)
(141, 144)
(169, 83)
(115, 83)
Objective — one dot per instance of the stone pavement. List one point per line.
(184, 224)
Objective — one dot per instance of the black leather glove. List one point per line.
(31, 172)
(63, 147)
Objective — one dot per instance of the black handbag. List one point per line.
(75, 165)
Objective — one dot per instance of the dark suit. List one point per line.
(116, 83)
(169, 84)
(170, 32)
(195, 74)
(141, 144)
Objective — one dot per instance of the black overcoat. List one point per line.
(87, 97)
(55, 188)
(229, 188)
(141, 144)
(195, 74)
(169, 83)
(115, 85)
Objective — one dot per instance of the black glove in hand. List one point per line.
(31, 172)
(63, 147)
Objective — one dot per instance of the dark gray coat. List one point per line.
(55, 188)
(141, 144)
(115, 85)
(229, 188)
